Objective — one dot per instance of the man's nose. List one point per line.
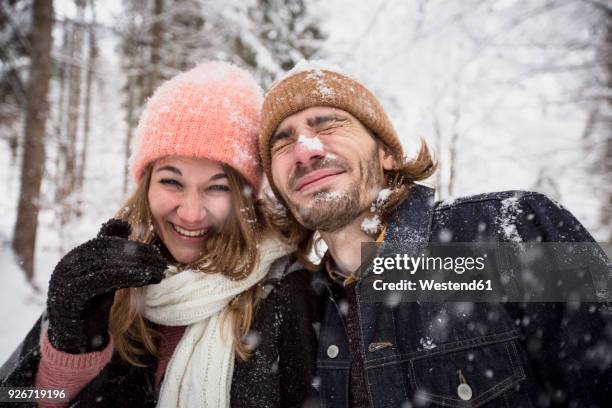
(308, 147)
(192, 209)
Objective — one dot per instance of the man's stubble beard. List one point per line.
(331, 211)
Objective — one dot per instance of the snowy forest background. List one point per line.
(511, 95)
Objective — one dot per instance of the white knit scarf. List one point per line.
(199, 373)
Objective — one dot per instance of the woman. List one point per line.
(175, 303)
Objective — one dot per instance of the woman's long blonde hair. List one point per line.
(232, 252)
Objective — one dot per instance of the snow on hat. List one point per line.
(315, 83)
(211, 111)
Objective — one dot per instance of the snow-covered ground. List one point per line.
(21, 305)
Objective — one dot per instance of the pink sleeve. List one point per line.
(70, 372)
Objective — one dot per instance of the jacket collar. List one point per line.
(412, 222)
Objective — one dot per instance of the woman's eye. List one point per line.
(219, 187)
(170, 182)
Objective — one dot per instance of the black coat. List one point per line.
(537, 354)
(278, 374)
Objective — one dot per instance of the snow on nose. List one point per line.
(308, 148)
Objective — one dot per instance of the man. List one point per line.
(334, 160)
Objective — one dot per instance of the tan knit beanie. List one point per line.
(303, 89)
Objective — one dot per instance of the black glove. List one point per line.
(83, 285)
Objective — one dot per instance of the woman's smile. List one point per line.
(184, 232)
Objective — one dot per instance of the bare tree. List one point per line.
(37, 108)
(453, 149)
(605, 55)
(157, 31)
(89, 77)
(134, 36)
(67, 173)
(14, 49)
(283, 33)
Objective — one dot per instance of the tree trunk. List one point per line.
(89, 75)
(453, 153)
(136, 50)
(130, 125)
(607, 157)
(438, 137)
(68, 178)
(156, 42)
(37, 108)
(58, 134)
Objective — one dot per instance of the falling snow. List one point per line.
(427, 343)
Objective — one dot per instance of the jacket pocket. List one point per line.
(468, 373)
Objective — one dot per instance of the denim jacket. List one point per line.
(479, 354)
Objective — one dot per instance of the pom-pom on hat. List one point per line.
(211, 111)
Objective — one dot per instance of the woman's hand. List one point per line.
(83, 285)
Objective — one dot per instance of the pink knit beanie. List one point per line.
(211, 111)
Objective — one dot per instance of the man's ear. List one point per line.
(385, 157)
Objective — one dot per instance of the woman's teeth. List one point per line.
(187, 233)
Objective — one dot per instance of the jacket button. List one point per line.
(332, 351)
(465, 392)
